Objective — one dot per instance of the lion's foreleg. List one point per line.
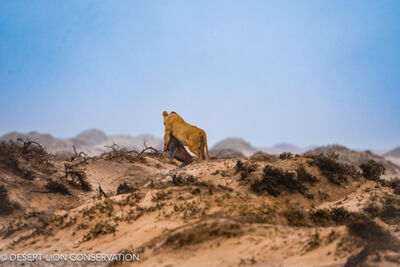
(166, 140)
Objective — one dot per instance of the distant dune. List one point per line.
(393, 153)
(358, 157)
(235, 144)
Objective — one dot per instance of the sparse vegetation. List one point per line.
(202, 232)
(78, 178)
(118, 154)
(393, 183)
(207, 204)
(296, 217)
(6, 206)
(124, 188)
(372, 170)
(274, 180)
(331, 168)
(375, 238)
(101, 228)
(244, 169)
(388, 211)
(304, 176)
(22, 157)
(57, 187)
(286, 155)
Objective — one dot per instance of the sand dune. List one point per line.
(260, 210)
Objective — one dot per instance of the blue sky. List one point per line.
(301, 72)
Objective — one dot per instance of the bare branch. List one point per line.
(148, 148)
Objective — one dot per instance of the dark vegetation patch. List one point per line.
(201, 233)
(57, 187)
(372, 170)
(101, 228)
(334, 216)
(274, 180)
(331, 168)
(286, 155)
(6, 206)
(393, 183)
(22, 157)
(36, 221)
(125, 188)
(388, 211)
(162, 195)
(77, 177)
(296, 217)
(304, 176)
(190, 180)
(244, 169)
(373, 236)
(375, 239)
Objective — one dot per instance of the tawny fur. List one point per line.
(187, 134)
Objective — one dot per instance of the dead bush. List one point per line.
(78, 178)
(124, 188)
(57, 187)
(11, 159)
(118, 153)
(372, 170)
(6, 206)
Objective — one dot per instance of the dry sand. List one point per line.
(204, 214)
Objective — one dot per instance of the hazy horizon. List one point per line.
(310, 146)
(303, 73)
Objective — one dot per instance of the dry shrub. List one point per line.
(331, 168)
(304, 176)
(101, 228)
(286, 155)
(201, 233)
(190, 180)
(274, 180)
(182, 180)
(375, 238)
(124, 188)
(57, 187)
(244, 169)
(388, 211)
(393, 183)
(78, 178)
(119, 154)
(296, 217)
(6, 206)
(22, 156)
(372, 170)
(335, 216)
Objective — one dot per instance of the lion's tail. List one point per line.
(205, 143)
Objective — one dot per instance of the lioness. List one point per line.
(187, 134)
(177, 151)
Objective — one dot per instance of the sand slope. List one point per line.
(205, 214)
